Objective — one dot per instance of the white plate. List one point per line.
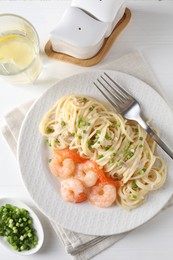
(37, 226)
(44, 189)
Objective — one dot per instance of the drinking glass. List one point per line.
(20, 61)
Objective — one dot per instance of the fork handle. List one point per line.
(159, 141)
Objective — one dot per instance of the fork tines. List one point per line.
(115, 94)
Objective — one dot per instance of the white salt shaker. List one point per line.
(78, 34)
(107, 11)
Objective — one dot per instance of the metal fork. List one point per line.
(127, 106)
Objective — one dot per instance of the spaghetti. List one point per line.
(120, 147)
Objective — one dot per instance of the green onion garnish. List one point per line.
(118, 123)
(133, 196)
(63, 123)
(17, 225)
(100, 156)
(108, 137)
(49, 130)
(118, 164)
(142, 171)
(83, 123)
(134, 185)
(129, 155)
(90, 143)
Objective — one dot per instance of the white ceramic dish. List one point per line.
(44, 188)
(107, 11)
(74, 36)
(37, 226)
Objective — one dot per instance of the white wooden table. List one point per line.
(151, 32)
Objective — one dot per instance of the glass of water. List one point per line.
(20, 61)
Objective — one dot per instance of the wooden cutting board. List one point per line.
(102, 52)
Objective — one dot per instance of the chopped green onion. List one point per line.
(80, 137)
(142, 171)
(124, 150)
(111, 148)
(49, 130)
(56, 140)
(111, 160)
(108, 137)
(140, 138)
(129, 155)
(118, 123)
(49, 160)
(84, 131)
(83, 123)
(123, 135)
(118, 164)
(85, 99)
(80, 119)
(134, 185)
(136, 129)
(127, 144)
(100, 156)
(133, 196)
(140, 146)
(17, 225)
(90, 143)
(63, 123)
(91, 108)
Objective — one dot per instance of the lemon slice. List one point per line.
(17, 49)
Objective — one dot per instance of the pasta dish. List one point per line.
(100, 156)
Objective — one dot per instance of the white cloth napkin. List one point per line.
(80, 246)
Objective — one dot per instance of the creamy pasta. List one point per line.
(120, 147)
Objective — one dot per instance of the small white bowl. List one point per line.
(36, 223)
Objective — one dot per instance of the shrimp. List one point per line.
(67, 153)
(72, 190)
(86, 174)
(62, 169)
(102, 195)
